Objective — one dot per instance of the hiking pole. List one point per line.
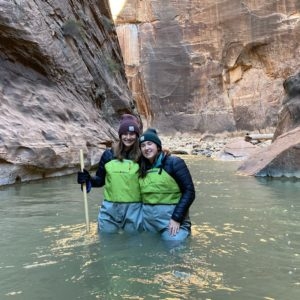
(86, 210)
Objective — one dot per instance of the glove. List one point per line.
(83, 177)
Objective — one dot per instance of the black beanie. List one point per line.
(150, 135)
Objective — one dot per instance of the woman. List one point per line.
(118, 173)
(167, 190)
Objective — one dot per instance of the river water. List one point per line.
(245, 243)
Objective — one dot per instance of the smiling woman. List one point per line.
(167, 190)
(118, 173)
(116, 6)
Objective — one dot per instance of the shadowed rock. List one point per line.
(62, 86)
(282, 157)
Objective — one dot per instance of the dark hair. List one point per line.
(134, 153)
(145, 165)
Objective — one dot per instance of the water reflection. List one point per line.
(245, 243)
(131, 266)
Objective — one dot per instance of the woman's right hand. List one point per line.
(83, 177)
(173, 227)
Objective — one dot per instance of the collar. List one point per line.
(158, 161)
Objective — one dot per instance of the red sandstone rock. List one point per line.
(281, 158)
(209, 66)
(238, 149)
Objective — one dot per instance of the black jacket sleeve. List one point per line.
(178, 169)
(99, 179)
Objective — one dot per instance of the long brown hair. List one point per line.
(134, 153)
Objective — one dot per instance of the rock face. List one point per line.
(211, 65)
(282, 157)
(289, 115)
(192, 66)
(62, 87)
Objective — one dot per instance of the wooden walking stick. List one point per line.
(86, 210)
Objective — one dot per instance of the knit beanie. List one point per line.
(150, 135)
(128, 123)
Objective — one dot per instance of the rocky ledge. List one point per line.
(236, 146)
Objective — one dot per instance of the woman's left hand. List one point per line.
(173, 227)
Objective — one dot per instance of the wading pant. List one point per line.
(113, 217)
(156, 218)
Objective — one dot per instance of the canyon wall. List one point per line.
(67, 74)
(63, 86)
(211, 65)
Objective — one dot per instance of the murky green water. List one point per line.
(245, 243)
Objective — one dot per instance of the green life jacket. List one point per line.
(121, 181)
(158, 187)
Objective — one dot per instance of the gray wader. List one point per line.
(156, 218)
(113, 217)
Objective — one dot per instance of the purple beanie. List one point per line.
(129, 123)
